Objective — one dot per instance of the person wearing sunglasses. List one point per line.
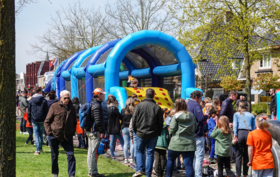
(60, 126)
(96, 133)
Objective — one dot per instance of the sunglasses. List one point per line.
(66, 98)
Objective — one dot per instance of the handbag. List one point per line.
(234, 141)
(245, 123)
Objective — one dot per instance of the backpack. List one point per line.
(85, 116)
(104, 146)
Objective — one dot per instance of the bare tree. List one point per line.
(20, 4)
(128, 17)
(72, 29)
(131, 16)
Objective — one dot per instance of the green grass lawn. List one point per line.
(29, 165)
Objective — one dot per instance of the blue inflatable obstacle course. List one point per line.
(100, 66)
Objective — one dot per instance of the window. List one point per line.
(237, 63)
(265, 62)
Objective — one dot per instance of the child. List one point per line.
(202, 104)
(222, 135)
(133, 81)
(160, 150)
(28, 127)
(80, 134)
(169, 116)
(259, 143)
(211, 126)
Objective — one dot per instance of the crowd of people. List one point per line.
(158, 141)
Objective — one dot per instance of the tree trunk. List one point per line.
(7, 89)
(248, 76)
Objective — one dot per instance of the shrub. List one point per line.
(259, 108)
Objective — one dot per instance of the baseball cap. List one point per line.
(98, 91)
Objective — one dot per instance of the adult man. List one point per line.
(147, 124)
(37, 112)
(23, 104)
(227, 108)
(273, 102)
(241, 99)
(194, 107)
(96, 133)
(60, 126)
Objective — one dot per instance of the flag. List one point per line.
(51, 64)
(55, 63)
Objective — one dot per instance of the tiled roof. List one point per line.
(206, 66)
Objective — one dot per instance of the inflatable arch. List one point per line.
(95, 68)
(76, 71)
(52, 84)
(64, 68)
(143, 38)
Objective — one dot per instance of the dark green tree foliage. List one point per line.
(228, 30)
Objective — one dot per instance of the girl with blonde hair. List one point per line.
(127, 115)
(259, 144)
(223, 139)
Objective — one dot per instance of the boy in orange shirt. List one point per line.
(80, 133)
(259, 143)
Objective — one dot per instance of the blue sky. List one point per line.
(33, 21)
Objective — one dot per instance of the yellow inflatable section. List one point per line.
(161, 95)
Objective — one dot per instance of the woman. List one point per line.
(182, 128)
(114, 126)
(243, 123)
(126, 115)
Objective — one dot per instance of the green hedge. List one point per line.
(259, 108)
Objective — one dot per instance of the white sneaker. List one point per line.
(137, 174)
(125, 160)
(26, 133)
(20, 132)
(131, 160)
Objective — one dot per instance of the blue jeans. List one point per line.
(69, 149)
(142, 144)
(38, 128)
(127, 141)
(188, 162)
(199, 155)
(212, 153)
(134, 149)
(113, 143)
(81, 141)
